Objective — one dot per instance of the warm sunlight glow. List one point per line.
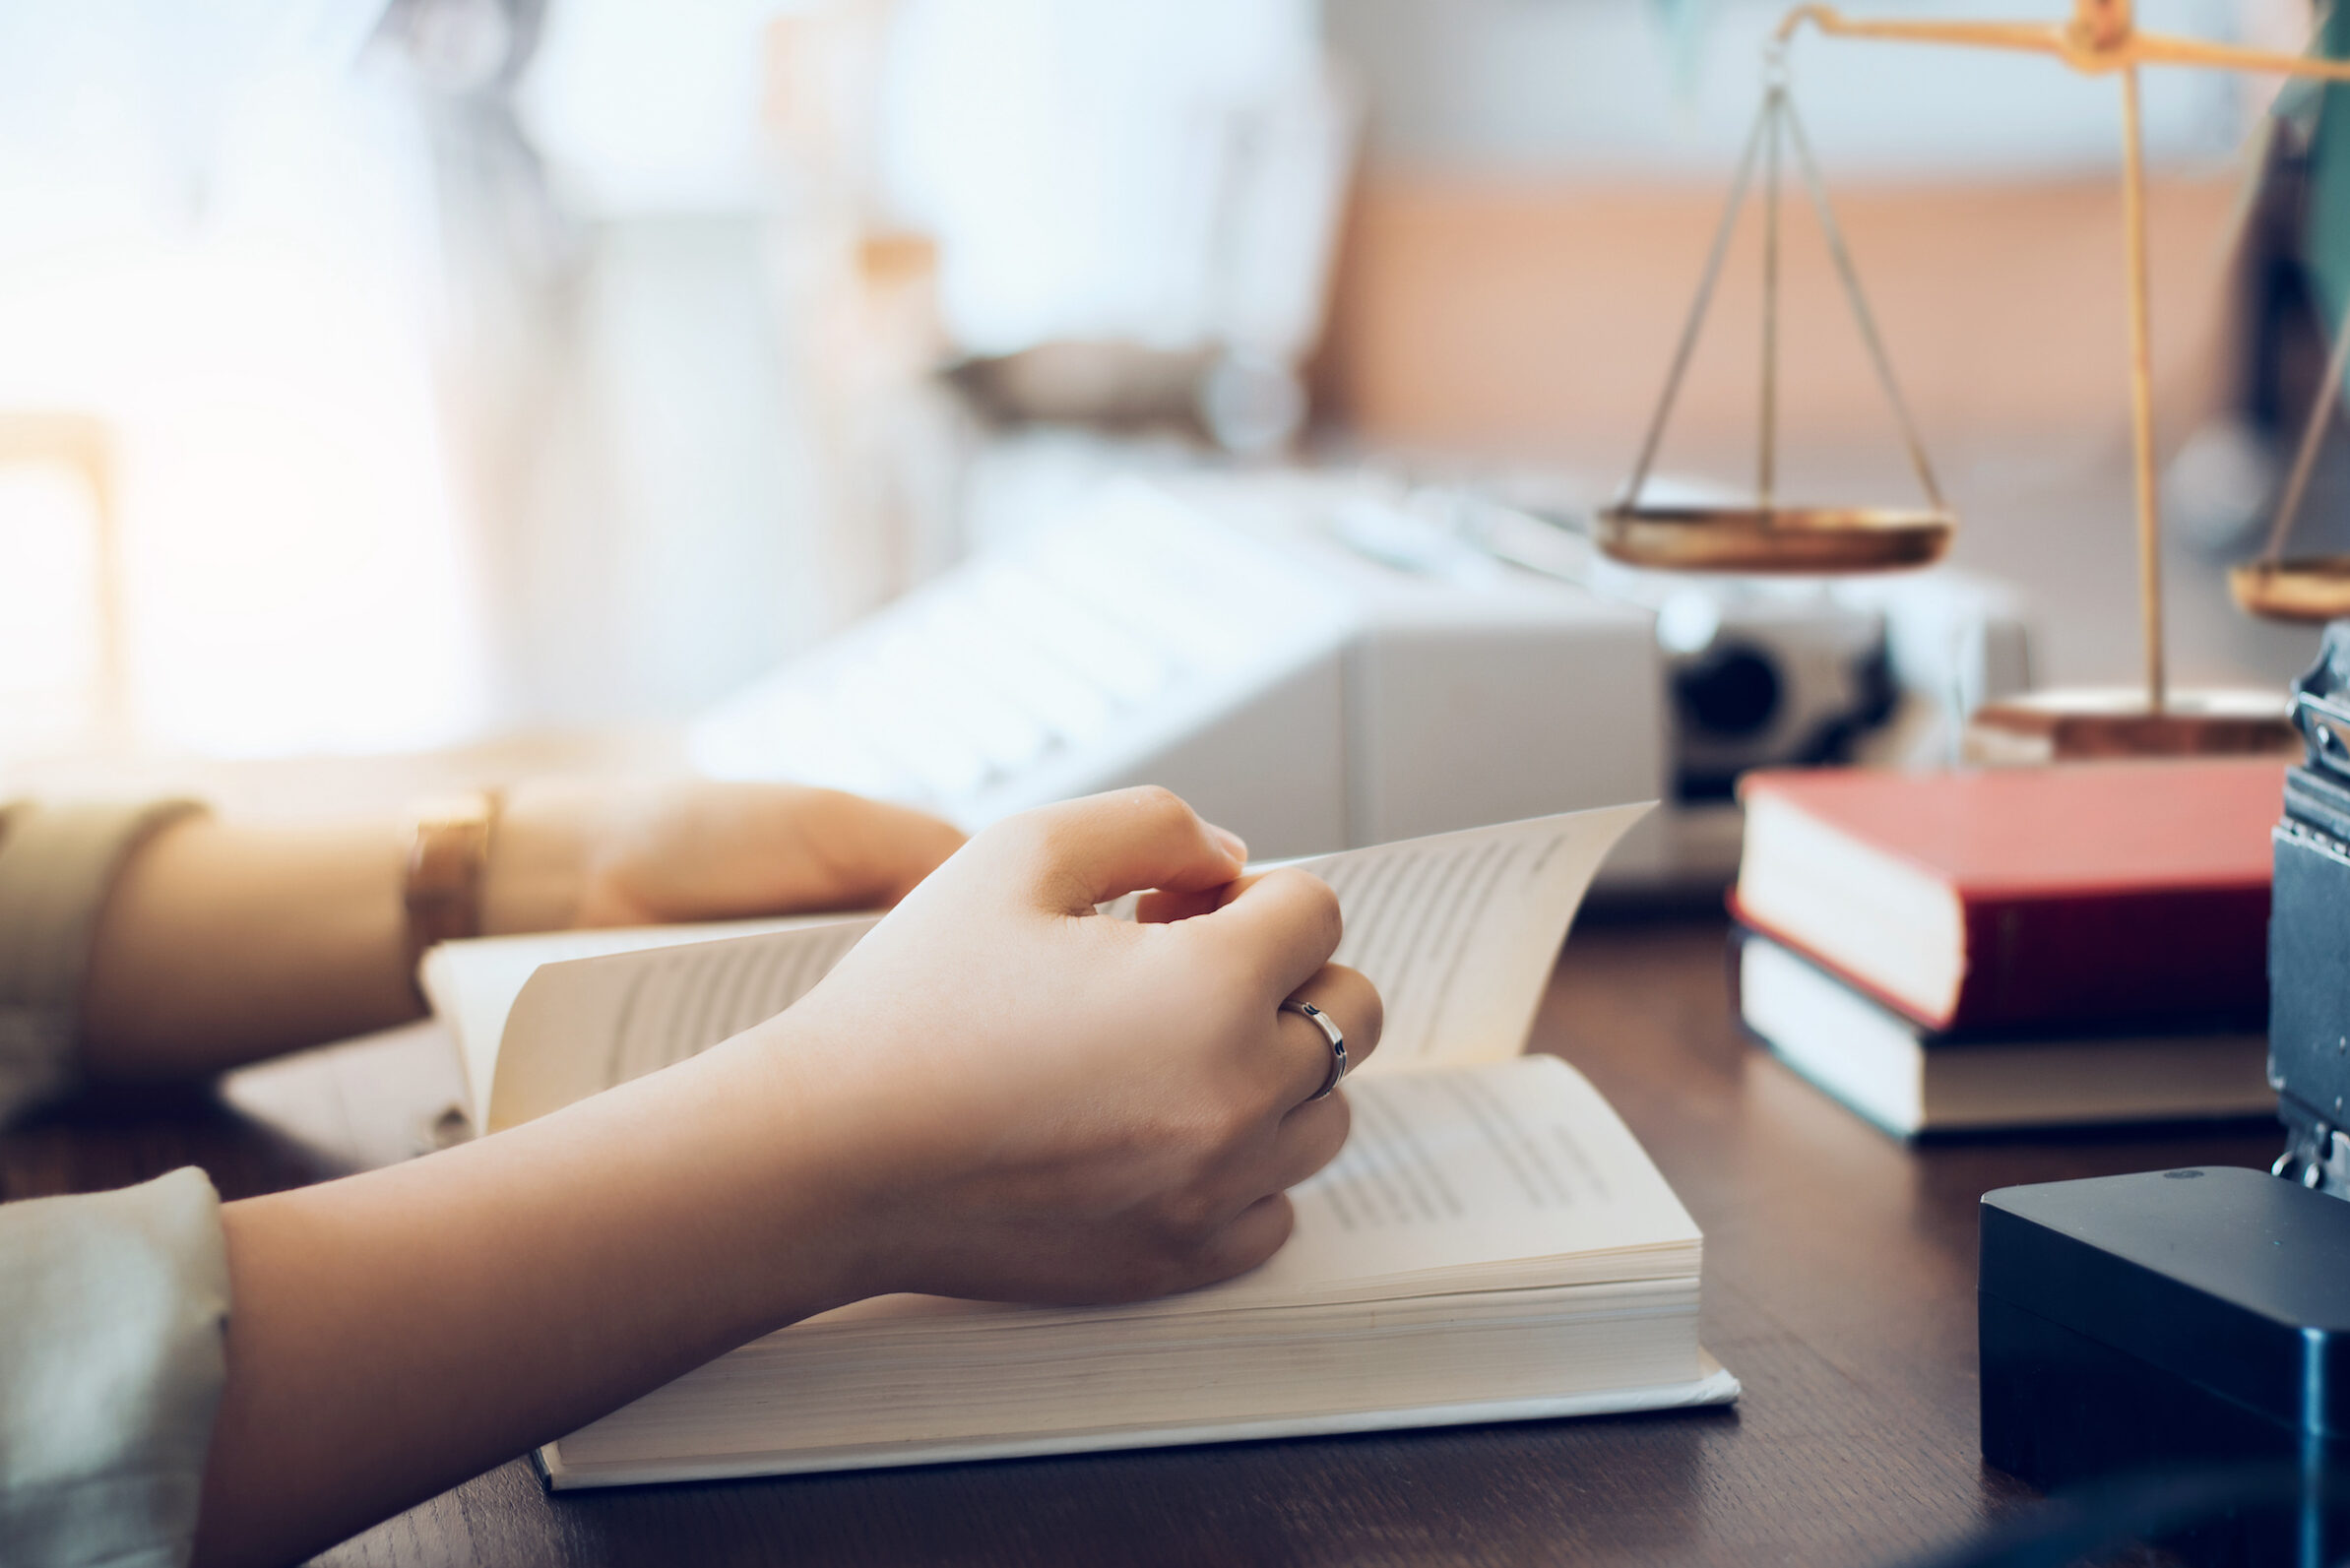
(291, 572)
(50, 634)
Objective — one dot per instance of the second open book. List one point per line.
(1491, 1244)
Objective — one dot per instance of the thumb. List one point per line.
(1104, 847)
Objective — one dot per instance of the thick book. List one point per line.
(1491, 1244)
(2023, 897)
(1911, 1081)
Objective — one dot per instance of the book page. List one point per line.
(581, 1025)
(1450, 1169)
(1459, 930)
(471, 984)
(1498, 1175)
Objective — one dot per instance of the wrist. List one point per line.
(823, 1122)
(536, 874)
(829, 1156)
(773, 1157)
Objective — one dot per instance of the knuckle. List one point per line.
(1026, 833)
(1187, 1218)
(1314, 901)
(1240, 1122)
(1211, 1137)
(1053, 838)
(1044, 841)
(1191, 1147)
(1329, 921)
(1159, 806)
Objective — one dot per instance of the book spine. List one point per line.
(2112, 957)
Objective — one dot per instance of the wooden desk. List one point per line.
(1839, 1286)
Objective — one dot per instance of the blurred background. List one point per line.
(390, 379)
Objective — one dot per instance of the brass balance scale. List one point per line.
(1767, 536)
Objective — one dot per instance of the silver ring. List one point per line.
(1338, 1045)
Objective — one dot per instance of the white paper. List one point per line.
(578, 1028)
(1458, 930)
(473, 983)
(1452, 1170)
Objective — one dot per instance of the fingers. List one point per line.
(877, 851)
(1309, 1134)
(1347, 999)
(1163, 908)
(1310, 1138)
(1104, 847)
(1254, 1235)
(1279, 928)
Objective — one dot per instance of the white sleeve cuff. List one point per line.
(113, 1315)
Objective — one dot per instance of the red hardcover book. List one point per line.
(2025, 896)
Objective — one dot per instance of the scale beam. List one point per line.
(2093, 48)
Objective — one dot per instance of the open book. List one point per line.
(1491, 1244)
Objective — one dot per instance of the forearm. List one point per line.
(398, 1332)
(222, 943)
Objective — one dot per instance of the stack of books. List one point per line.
(2013, 947)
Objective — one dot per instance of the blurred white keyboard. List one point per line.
(1287, 684)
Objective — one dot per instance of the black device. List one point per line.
(2309, 931)
(2176, 1321)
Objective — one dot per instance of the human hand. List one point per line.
(997, 1095)
(1052, 1106)
(579, 853)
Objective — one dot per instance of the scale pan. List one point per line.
(1798, 540)
(2314, 588)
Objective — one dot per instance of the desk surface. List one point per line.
(1839, 1286)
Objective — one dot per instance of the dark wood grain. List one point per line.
(1839, 1287)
